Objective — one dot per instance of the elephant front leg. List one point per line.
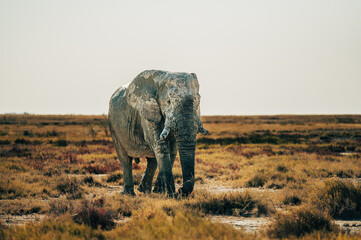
(165, 180)
(146, 184)
(173, 154)
(161, 151)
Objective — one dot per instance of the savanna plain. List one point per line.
(256, 177)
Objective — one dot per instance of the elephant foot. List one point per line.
(160, 190)
(157, 189)
(128, 192)
(172, 195)
(186, 189)
(143, 189)
(165, 184)
(169, 194)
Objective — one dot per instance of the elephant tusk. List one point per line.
(164, 133)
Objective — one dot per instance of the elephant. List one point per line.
(151, 117)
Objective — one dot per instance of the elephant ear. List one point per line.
(141, 95)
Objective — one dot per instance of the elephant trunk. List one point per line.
(186, 154)
(186, 131)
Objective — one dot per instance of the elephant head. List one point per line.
(172, 100)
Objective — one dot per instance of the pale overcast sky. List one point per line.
(251, 57)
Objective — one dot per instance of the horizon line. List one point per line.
(203, 115)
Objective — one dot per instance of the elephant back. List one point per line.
(118, 95)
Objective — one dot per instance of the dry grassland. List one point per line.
(301, 173)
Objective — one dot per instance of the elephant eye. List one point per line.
(168, 101)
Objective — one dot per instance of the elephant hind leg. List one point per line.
(127, 176)
(126, 163)
(146, 184)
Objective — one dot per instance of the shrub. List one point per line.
(92, 132)
(28, 133)
(102, 168)
(34, 210)
(229, 204)
(11, 189)
(89, 180)
(52, 133)
(71, 157)
(61, 206)
(292, 200)
(22, 141)
(341, 199)
(127, 205)
(282, 168)
(299, 222)
(63, 228)
(345, 173)
(94, 214)
(5, 142)
(16, 151)
(3, 133)
(155, 224)
(49, 172)
(60, 143)
(257, 181)
(114, 178)
(71, 187)
(95, 169)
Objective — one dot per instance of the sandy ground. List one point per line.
(352, 227)
(9, 220)
(248, 224)
(255, 225)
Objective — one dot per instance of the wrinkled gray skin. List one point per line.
(156, 114)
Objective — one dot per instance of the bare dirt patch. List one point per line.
(214, 187)
(8, 219)
(248, 224)
(256, 224)
(352, 227)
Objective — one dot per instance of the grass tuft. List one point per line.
(61, 206)
(257, 181)
(89, 180)
(114, 177)
(299, 222)
(292, 200)
(177, 224)
(93, 214)
(341, 199)
(229, 204)
(61, 143)
(71, 187)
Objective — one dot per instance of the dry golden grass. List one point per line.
(49, 164)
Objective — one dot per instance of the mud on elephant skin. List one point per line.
(152, 117)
